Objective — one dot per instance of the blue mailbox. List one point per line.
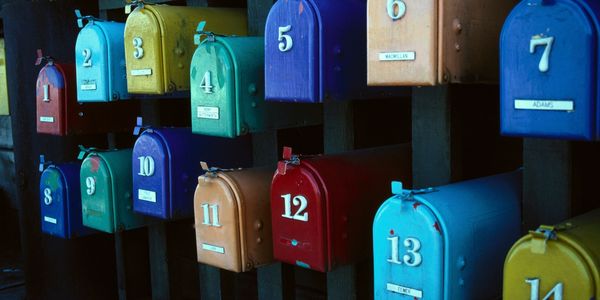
(446, 243)
(100, 60)
(315, 49)
(166, 166)
(60, 200)
(549, 77)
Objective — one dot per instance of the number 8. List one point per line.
(391, 9)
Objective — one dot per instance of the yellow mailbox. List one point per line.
(159, 43)
(556, 262)
(3, 85)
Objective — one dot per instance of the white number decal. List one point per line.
(412, 259)
(46, 93)
(287, 45)
(557, 290)
(396, 9)
(146, 166)
(299, 200)
(90, 182)
(47, 196)
(542, 41)
(207, 215)
(87, 57)
(206, 83)
(138, 52)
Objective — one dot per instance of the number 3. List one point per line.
(392, 5)
(138, 52)
(541, 41)
(287, 45)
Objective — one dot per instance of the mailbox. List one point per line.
(100, 60)
(159, 43)
(166, 167)
(556, 262)
(233, 218)
(322, 206)
(4, 107)
(60, 201)
(417, 43)
(543, 93)
(106, 184)
(314, 49)
(448, 242)
(227, 75)
(59, 113)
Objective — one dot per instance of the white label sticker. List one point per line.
(50, 220)
(141, 72)
(213, 248)
(391, 56)
(208, 112)
(47, 119)
(563, 105)
(404, 290)
(88, 87)
(146, 195)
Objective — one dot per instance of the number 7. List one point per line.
(540, 41)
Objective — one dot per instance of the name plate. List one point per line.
(397, 56)
(88, 87)
(47, 119)
(213, 248)
(559, 105)
(141, 72)
(404, 290)
(50, 220)
(208, 112)
(146, 195)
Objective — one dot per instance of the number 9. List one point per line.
(391, 9)
(91, 185)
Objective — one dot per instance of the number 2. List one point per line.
(90, 182)
(396, 9)
(299, 200)
(412, 259)
(285, 41)
(542, 41)
(206, 83)
(87, 57)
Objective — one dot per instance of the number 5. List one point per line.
(540, 41)
(287, 45)
(391, 9)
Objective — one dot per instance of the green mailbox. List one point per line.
(227, 90)
(106, 197)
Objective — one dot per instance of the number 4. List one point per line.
(542, 41)
(206, 83)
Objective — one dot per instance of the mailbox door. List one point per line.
(402, 42)
(543, 91)
(299, 219)
(96, 194)
(292, 48)
(143, 53)
(51, 100)
(53, 200)
(91, 61)
(217, 223)
(151, 176)
(408, 251)
(213, 91)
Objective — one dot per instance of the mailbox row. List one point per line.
(321, 212)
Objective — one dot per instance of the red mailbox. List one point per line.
(322, 207)
(59, 113)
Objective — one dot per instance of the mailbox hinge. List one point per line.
(43, 163)
(212, 171)
(540, 238)
(83, 151)
(88, 18)
(133, 4)
(200, 32)
(139, 126)
(40, 58)
(405, 194)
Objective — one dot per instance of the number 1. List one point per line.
(541, 41)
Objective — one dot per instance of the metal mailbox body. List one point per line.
(100, 62)
(322, 206)
(227, 76)
(159, 43)
(233, 219)
(166, 165)
(60, 201)
(449, 243)
(314, 50)
(416, 43)
(561, 261)
(106, 197)
(4, 107)
(543, 91)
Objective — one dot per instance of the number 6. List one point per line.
(287, 45)
(391, 9)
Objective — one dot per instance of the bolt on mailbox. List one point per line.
(314, 50)
(233, 218)
(543, 91)
(100, 60)
(159, 43)
(556, 262)
(60, 200)
(415, 43)
(59, 113)
(448, 242)
(166, 167)
(322, 207)
(106, 197)
(227, 76)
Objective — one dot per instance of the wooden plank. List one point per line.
(159, 266)
(211, 287)
(120, 260)
(112, 4)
